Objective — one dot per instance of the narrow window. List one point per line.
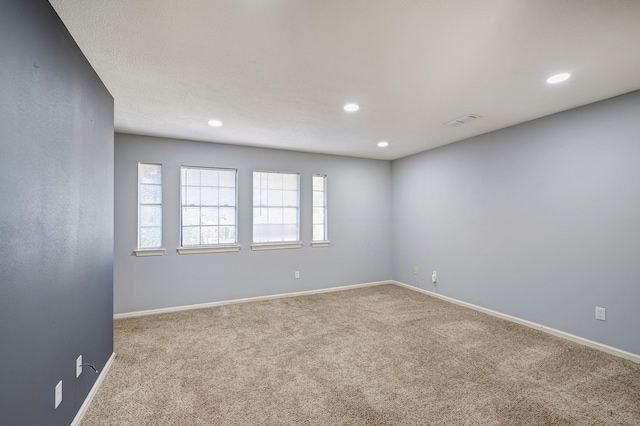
(319, 186)
(208, 206)
(276, 207)
(149, 206)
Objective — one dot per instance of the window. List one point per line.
(319, 220)
(276, 209)
(208, 208)
(149, 210)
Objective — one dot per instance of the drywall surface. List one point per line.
(359, 218)
(56, 217)
(540, 221)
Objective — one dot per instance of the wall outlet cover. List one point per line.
(601, 314)
(78, 366)
(58, 394)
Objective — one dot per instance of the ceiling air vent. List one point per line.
(461, 120)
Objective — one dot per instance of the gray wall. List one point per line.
(359, 196)
(540, 220)
(56, 221)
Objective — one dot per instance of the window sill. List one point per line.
(199, 250)
(148, 252)
(275, 246)
(320, 244)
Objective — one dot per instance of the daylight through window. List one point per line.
(208, 206)
(275, 207)
(149, 206)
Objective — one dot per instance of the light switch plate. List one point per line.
(58, 396)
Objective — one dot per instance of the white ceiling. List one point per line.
(278, 72)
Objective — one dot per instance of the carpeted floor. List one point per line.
(381, 355)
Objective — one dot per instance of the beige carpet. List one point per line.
(380, 355)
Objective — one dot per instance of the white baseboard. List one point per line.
(87, 401)
(246, 300)
(595, 345)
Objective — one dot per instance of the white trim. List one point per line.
(246, 300)
(590, 343)
(197, 250)
(320, 243)
(87, 401)
(275, 246)
(148, 252)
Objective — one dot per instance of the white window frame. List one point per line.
(261, 204)
(155, 250)
(324, 242)
(207, 248)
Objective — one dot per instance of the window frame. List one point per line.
(148, 251)
(275, 245)
(325, 182)
(208, 248)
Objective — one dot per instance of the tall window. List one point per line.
(319, 185)
(208, 201)
(149, 206)
(275, 207)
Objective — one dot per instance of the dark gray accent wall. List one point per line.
(359, 202)
(56, 217)
(540, 221)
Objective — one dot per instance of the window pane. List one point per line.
(290, 216)
(190, 216)
(276, 233)
(227, 234)
(276, 215)
(228, 178)
(318, 183)
(318, 198)
(150, 194)
(227, 196)
(150, 216)
(193, 195)
(150, 237)
(190, 235)
(260, 216)
(192, 177)
(318, 215)
(227, 216)
(260, 233)
(150, 173)
(209, 235)
(208, 216)
(290, 233)
(290, 198)
(274, 180)
(274, 198)
(318, 232)
(208, 177)
(290, 181)
(209, 196)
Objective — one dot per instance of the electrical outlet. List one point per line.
(601, 314)
(58, 394)
(434, 277)
(415, 270)
(297, 274)
(78, 366)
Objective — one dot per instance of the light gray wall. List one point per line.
(540, 221)
(56, 217)
(359, 195)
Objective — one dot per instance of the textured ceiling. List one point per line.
(278, 72)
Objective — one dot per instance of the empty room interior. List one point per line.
(319, 212)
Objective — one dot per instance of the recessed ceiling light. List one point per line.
(558, 78)
(214, 123)
(351, 107)
(383, 144)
